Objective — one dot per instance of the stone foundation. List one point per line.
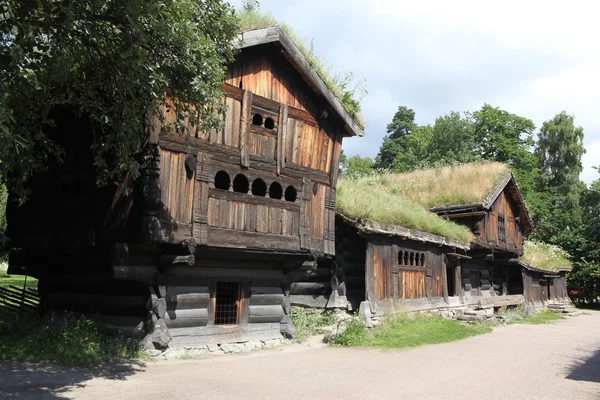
(177, 353)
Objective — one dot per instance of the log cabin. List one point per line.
(204, 246)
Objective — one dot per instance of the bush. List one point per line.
(354, 335)
(65, 339)
(308, 322)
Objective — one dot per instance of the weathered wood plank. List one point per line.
(245, 120)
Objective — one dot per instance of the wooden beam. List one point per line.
(459, 256)
(281, 137)
(463, 215)
(245, 119)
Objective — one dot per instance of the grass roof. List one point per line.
(545, 256)
(446, 186)
(251, 19)
(370, 199)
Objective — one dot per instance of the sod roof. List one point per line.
(543, 257)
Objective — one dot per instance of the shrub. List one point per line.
(354, 335)
(308, 322)
(66, 339)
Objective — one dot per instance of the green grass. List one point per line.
(63, 339)
(309, 322)
(542, 317)
(16, 280)
(370, 199)
(545, 256)
(342, 85)
(404, 331)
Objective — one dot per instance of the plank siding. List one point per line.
(176, 189)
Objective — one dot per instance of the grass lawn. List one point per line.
(405, 332)
(543, 317)
(17, 280)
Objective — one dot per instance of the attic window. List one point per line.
(269, 123)
(501, 229)
(275, 191)
(259, 188)
(240, 184)
(290, 194)
(257, 119)
(222, 180)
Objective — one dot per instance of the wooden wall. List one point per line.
(403, 269)
(350, 256)
(275, 130)
(539, 288)
(504, 213)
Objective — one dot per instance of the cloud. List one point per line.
(534, 58)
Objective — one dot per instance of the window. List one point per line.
(222, 180)
(501, 229)
(240, 184)
(257, 119)
(259, 188)
(290, 194)
(275, 191)
(227, 303)
(411, 259)
(269, 123)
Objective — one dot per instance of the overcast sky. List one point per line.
(531, 58)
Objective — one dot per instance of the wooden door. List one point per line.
(475, 282)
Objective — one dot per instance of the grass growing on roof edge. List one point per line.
(366, 199)
(337, 83)
(545, 256)
(405, 331)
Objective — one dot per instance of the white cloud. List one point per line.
(534, 58)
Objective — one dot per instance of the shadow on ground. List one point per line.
(587, 369)
(51, 382)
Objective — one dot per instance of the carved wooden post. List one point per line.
(245, 119)
(281, 137)
(151, 203)
(201, 188)
(329, 222)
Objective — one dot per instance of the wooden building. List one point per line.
(203, 248)
(542, 287)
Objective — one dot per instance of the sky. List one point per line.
(531, 58)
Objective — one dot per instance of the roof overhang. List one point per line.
(275, 34)
(543, 270)
(404, 233)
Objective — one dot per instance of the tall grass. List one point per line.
(61, 338)
(309, 322)
(451, 185)
(342, 85)
(372, 199)
(545, 256)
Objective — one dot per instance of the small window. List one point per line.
(227, 303)
(222, 180)
(412, 258)
(290, 194)
(422, 259)
(275, 191)
(257, 119)
(406, 262)
(240, 184)
(400, 257)
(259, 188)
(269, 123)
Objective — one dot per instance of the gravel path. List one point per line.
(556, 361)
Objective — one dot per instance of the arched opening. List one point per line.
(406, 258)
(269, 123)
(400, 257)
(422, 259)
(257, 119)
(290, 194)
(222, 180)
(275, 191)
(412, 259)
(259, 188)
(240, 184)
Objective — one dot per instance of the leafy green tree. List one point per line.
(359, 166)
(402, 125)
(416, 150)
(112, 61)
(559, 149)
(452, 140)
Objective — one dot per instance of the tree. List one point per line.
(452, 140)
(113, 62)
(402, 125)
(559, 149)
(416, 151)
(359, 166)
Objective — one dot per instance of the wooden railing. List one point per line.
(18, 300)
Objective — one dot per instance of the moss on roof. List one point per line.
(338, 84)
(545, 256)
(447, 186)
(369, 199)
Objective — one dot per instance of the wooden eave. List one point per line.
(367, 227)
(275, 34)
(543, 270)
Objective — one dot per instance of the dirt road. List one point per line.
(557, 361)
